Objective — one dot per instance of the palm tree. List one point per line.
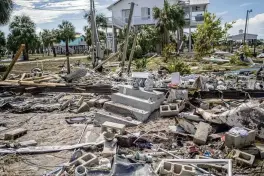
(2, 43)
(23, 30)
(101, 20)
(170, 18)
(49, 38)
(66, 33)
(6, 8)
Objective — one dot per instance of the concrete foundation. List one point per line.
(237, 141)
(141, 93)
(136, 102)
(125, 110)
(103, 116)
(201, 133)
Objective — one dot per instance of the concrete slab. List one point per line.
(141, 93)
(125, 110)
(83, 108)
(28, 143)
(103, 116)
(202, 133)
(135, 102)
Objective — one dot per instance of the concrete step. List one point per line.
(103, 116)
(135, 102)
(125, 110)
(141, 93)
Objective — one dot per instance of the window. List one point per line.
(125, 14)
(145, 13)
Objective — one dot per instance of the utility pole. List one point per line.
(245, 32)
(127, 36)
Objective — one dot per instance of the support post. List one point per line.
(92, 32)
(132, 53)
(10, 67)
(127, 36)
(190, 29)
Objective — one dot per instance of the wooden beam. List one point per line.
(132, 53)
(22, 47)
(108, 59)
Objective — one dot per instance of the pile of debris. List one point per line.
(148, 126)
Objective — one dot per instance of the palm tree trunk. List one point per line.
(68, 59)
(53, 50)
(25, 53)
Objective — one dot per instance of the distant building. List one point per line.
(143, 14)
(77, 46)
(240, 37)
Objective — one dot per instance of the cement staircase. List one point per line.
(128, 102)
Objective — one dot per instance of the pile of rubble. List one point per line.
(147, 126)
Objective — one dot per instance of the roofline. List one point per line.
(110, 7)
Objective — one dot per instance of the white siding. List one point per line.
(137, 18)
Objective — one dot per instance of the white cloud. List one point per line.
(55, 10)
(255, 25)
(246, 4)
(221, 13)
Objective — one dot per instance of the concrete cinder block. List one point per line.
(28, 143)
(125, 110)
(201, 133)
(169, 110)
(261, 150)
(115, 128)
(176, 169)
(141, 93)
(237, 141)
(243, 158)
(86, 160)
(103, 116)
(110, 148)
(135, 102)
(216, 166)
(14, 134)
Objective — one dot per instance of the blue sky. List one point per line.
(73, 10)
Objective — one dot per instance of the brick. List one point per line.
(170, 168)
(243, 158)
(201, 133)
(169, 110)
(236, 141)
(12, 135)
(86, 160)
(115, 128)
(28, 143)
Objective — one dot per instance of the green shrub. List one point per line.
(141, 64)
(138, 52)
(208, 67)
(179, 66)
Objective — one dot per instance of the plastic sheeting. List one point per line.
(127, 167)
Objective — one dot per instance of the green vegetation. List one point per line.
(2, 44)
(178, 66)
(48, 38)
(6, 8)
(209, 34)
(141, 64)
(22, 31)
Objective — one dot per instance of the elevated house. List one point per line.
(76, 46)
(143, 14)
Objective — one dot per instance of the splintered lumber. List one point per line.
(108, 59)
(22, 47)
(31, 87)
